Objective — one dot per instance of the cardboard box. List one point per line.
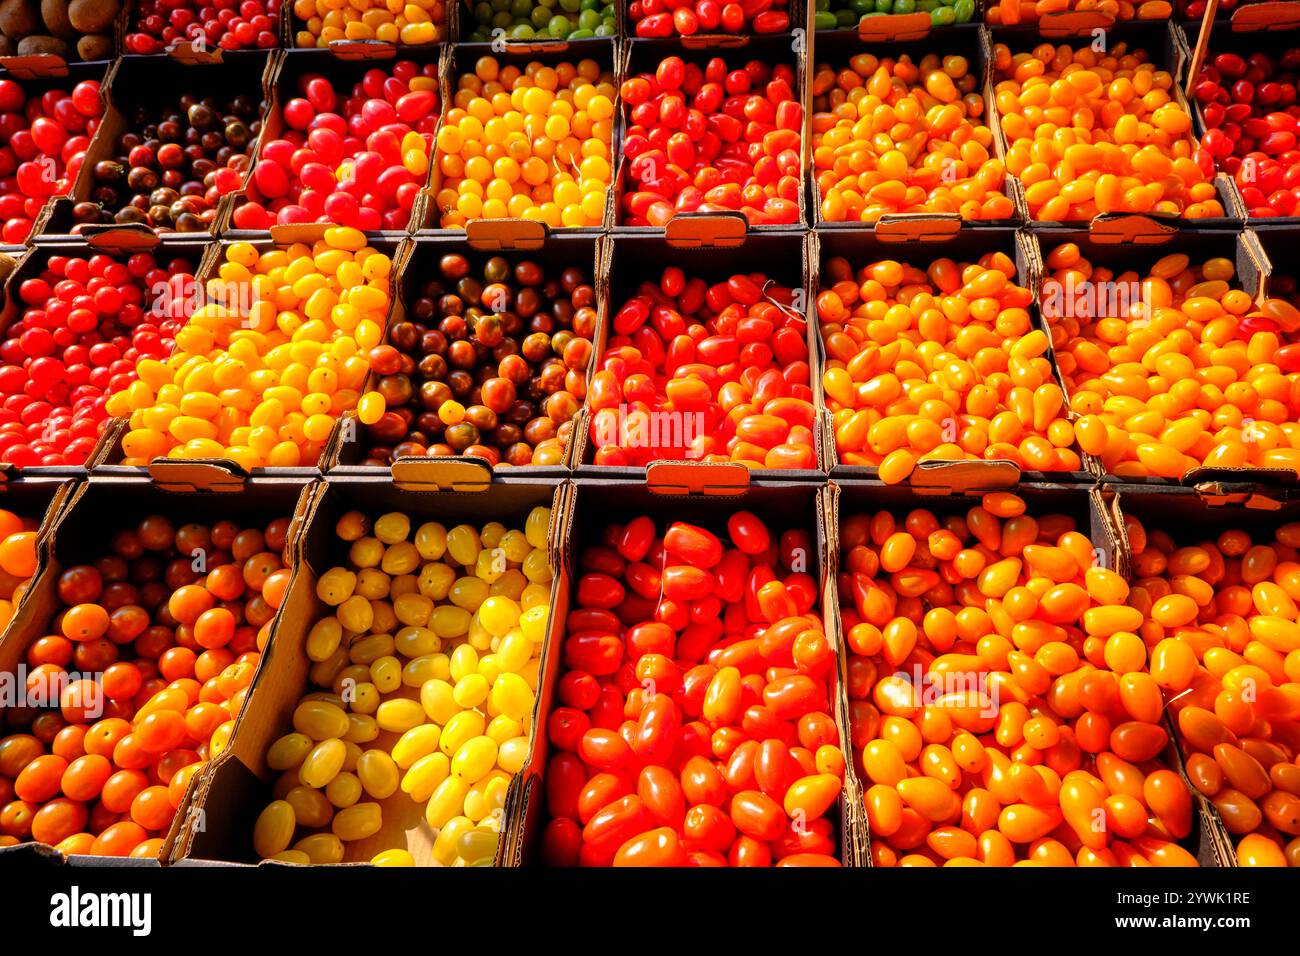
(119, 243)
(1088, 509)
(595, 503)
(458, 60)
(1252, 271)
(558, 252)
(1159, 40)
(344, 64)
(154, 82)
(712, 248)
(79, 533)
(1244, 37)
(643, 56)
(221, 812)
(34, 66)
(222, 474)
(861, 248)
(970, 40)
(1190, 516)
(44, 73)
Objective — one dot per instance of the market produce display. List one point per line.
(426, 667)
(265, 366)
(1123, 144)
(172, 164)
(666, 18)
(724, 366)
(44, 141)
(532, 144)
(86, 328)
(139, 680)
(69, 29)
(492, 365)
(357, 161)
(694, 725)
(895, 136)
(939, 365)
(545, 20)
(158, 25)
(712, 139)
(1220, 616)
(1249, 109)
(1195, 374)
(1001, 706)
(622, 433)
(318, 23)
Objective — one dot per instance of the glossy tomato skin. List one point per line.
(688, 734)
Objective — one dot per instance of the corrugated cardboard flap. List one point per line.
(461, 474)
(1259, 488)
(1124, 227)
(948, 477)
(714, 230)
(696, 478)
(363, 49)
(712, 41)
(1277, 15)
(894, 26)
(35, 67)
(1073, 23)
(917, 227)
(505, 233)
(126, 237)
(186, 52)
(198, 474)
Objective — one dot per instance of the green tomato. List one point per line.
(904, 6)
(588, 20)
(520, 9)
(824, 20)
(862, 6)
(570, 6)
(605, 30)
(483, 13)
(964, 10)
(559, 27)
(942, 17)
(521, 31)
(884, 6)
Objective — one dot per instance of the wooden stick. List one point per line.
(1202, 44)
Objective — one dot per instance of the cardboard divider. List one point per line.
(91, 513)
(459, 59)
(221, 812)
(644, 56)
(343, 71)
(1252, 273)
(1190, 518)
(223, 474)
(636, 258)
(155, 82)
(487, 240)
(934, 477)
(1160, 39)
(972, 41)
(120, 244)
(596, 502)
(1091, 514)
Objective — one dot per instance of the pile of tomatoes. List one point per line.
(137, 684)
